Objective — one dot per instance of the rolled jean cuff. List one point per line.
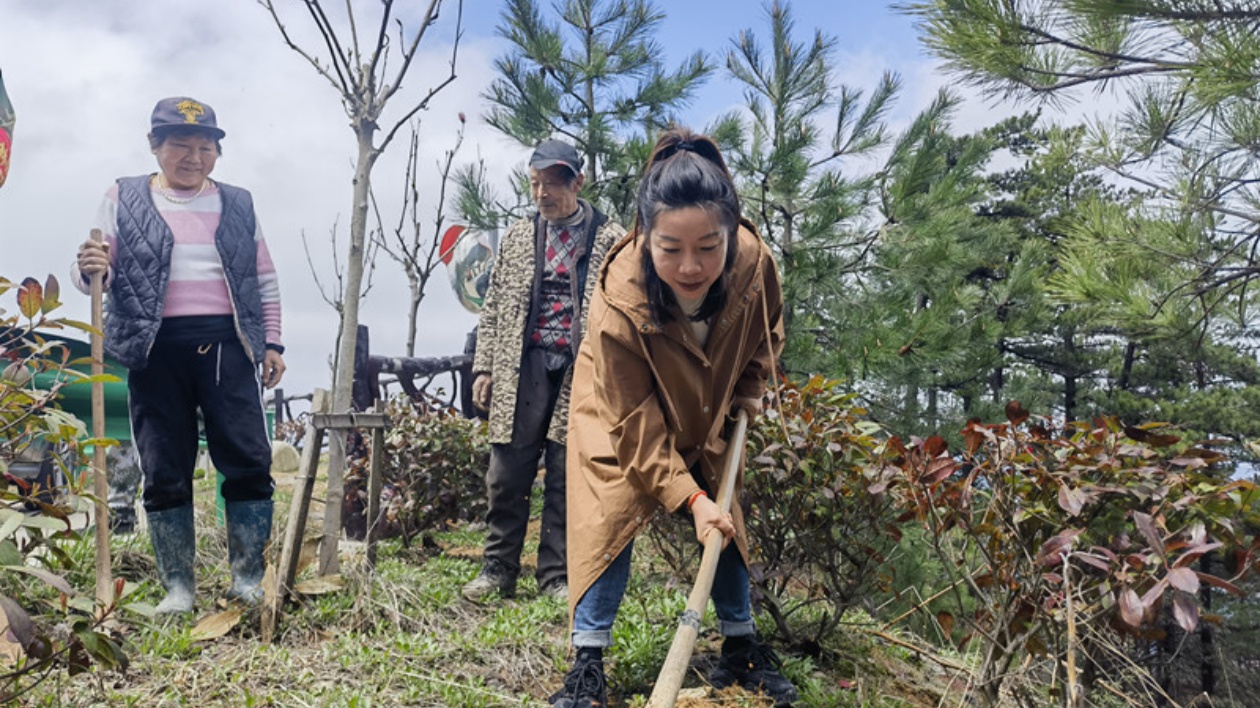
(589, 638)
(732, 629)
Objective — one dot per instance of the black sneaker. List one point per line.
(747, 663)
(585, 685)
(494, 577)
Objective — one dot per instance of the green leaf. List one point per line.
(52, 294)
(103, 649)
(52, 579)
(82, 603)
(9, 554)
(10, 520)
(46, 523)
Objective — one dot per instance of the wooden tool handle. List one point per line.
(668, 683)
(100, 478)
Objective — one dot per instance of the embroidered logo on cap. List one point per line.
(191, 110)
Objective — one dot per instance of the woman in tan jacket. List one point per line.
(683, 328)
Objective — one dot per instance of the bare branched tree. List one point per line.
(358, 68)
(334, 293)
(418, 255)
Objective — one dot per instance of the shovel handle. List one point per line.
(100, 480)
(668, 683)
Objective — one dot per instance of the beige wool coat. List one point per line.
(648, 402)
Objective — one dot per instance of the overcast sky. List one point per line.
(83, 78)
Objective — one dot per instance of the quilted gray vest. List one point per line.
(142, 270)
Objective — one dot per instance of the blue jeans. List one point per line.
(595, 612)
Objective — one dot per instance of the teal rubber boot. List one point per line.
(248, 531)
(175, 547)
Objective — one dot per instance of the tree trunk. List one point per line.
(933, 416)
(343, 379)
(1130, 353)
(1069, 378)
(1207, 638)
(788, 266)
(591, 167)
(417, 294)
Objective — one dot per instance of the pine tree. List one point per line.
(1187, 131)
(947, 286)
(594, 76)
(1060, 356)
(787, 150)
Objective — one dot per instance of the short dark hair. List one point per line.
(161, 135)
(686, 169)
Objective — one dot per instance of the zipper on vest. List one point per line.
(236, 316)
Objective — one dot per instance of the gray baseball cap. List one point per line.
(556, 152)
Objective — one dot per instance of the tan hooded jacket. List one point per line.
(648, 402)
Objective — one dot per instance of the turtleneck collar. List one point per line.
(577, 217)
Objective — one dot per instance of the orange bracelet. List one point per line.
(691, 500)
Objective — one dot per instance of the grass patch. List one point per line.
(403, 635)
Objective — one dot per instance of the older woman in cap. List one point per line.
(194, 314)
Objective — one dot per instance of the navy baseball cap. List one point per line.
(556, 152)
(184, 112)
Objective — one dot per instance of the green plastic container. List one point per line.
(76, 397)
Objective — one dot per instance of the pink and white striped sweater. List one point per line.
(197, 285)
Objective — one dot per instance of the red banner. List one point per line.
(6, 131)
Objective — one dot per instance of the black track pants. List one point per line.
(220, 380)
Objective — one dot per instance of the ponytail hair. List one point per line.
(686, 170)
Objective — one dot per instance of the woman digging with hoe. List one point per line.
(684, 327)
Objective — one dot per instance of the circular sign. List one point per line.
(468, 256)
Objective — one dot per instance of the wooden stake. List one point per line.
(375, 483)
(291, 550)
(675, 667)
(100, 478)
(291, 546)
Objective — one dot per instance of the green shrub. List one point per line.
(1068, 546)
(434, 471)
(35, 529)
(820, 536)
(820, 539)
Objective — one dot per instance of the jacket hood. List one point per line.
(621, 278)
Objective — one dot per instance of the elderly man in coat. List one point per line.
(531, 325)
